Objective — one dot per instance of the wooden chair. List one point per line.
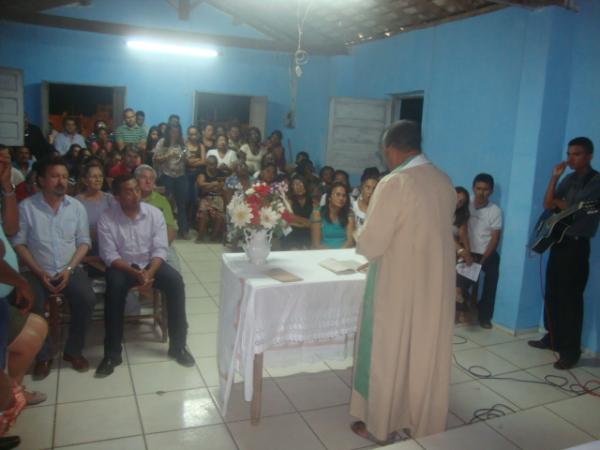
(58, 312)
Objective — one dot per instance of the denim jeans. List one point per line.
(178, 187)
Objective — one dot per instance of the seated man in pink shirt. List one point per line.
(132, 238)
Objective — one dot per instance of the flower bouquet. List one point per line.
(256, 215)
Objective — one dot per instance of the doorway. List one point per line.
(85, 103)
(226, 110)
(408, 106)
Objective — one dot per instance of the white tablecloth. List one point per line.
(315, 317)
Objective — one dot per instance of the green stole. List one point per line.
(362, 364)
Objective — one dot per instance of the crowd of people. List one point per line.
(110, 205)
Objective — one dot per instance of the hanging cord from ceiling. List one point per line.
(299, 58)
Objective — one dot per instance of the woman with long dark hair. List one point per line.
(151, 142)
(333, 226)
(461, 239)
(301, 203)
(171, 157)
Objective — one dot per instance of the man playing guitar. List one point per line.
(568, 265)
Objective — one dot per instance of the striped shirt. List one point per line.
(132, 135)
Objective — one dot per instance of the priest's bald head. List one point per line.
(401, 141)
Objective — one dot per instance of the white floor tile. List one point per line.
(484, 337)
(77, 387)
(332, 426)
(206, 276)
(34, 426)
(466, 398)
(314, 391)
(164, 376)
(404, 445)
(592, 365)
(145, 352)
(525, 395)
(459, 342)
(582, 411)
(177, 410)
(287, 432)
(522, 355)
(473, 437)
(274, 402)
(213, 288)
(537, 429)
(208, 370)
(203, 345)
(482, 357)
(96, 420)
(204, 305)
(317, 367)
(202, 323)
(453, 421)
(192, 439)
(130, 443)
(195, 290)
(458, 375)
(558, 376)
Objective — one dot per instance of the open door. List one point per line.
(11, 106)
(355, 129)
(118, 105)
(258, 114)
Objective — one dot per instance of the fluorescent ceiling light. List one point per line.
(172, 49)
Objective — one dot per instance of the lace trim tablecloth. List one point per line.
(312, 318)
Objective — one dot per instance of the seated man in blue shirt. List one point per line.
(52, 240)
(132, 238)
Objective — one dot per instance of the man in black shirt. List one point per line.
(568, 265)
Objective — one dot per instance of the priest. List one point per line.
(404, 346)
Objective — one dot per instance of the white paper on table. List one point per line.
(471, 272)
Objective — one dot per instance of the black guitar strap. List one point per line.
(588, 177)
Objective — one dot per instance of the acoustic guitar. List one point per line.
(551, 227)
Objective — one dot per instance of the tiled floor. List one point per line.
(152, 403)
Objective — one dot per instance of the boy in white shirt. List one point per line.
(485, 224)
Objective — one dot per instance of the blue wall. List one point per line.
(504, 92)
(161, 85)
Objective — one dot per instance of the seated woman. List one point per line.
(359, 206)
(461, 240)
(301, 203)
(95, 202)
(226, 158)
(25, 332)
(333, 225)
(211, 209)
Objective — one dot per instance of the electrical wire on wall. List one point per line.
(299, 59)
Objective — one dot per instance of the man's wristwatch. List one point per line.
(70, 270)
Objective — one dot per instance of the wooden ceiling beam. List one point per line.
(32, 6)
(567, 4)
(110, 28)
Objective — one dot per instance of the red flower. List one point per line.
(263, 190)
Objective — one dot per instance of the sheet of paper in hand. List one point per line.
(283, 275)
(341, 267)
(471, 272)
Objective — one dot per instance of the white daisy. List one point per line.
(268, 217)
(240, 215)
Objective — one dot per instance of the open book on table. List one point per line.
(343, 267)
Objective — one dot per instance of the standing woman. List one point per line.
(361, 204)
(171, 157)
(253, 150)
(196, 162)
(333, 226)
(151, 142)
